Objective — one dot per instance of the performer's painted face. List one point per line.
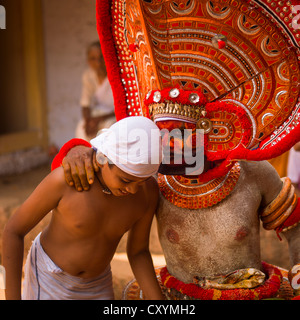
(188, 122)
(180, 142)
(178, 136)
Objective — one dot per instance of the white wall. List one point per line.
(69, 26)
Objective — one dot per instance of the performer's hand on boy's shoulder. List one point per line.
(79, 167)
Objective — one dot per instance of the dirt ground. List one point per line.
(15, 189)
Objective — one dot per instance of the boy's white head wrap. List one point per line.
(133, 144)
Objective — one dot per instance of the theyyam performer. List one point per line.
(231, 69)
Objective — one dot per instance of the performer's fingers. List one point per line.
(67, 172)
(95, 164)
(83, 176)
(76, 179)
(89, 169)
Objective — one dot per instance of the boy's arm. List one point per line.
(44, 198)
(138, 250)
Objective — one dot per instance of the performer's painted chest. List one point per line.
(232, 220)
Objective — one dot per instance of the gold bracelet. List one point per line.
(280, 199)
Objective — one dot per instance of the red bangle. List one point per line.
(57, 161)
(292, 220)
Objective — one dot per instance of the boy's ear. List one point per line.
(101, 159)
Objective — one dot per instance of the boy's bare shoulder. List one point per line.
(58, 178)
(153, 186)
(150, 191)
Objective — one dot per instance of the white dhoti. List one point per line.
(44, 280)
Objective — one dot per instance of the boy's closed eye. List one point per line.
(125, 181)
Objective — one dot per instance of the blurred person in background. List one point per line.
(293, 169)
(96, 99)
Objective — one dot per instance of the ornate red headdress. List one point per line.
(234, 63)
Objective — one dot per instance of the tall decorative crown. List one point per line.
(176, 103)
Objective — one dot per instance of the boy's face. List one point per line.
(119, 182)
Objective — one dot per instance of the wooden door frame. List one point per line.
(35, 83)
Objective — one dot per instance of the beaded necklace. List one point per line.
(190, 193)
(105, 190)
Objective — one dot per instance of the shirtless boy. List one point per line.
(71, 258)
